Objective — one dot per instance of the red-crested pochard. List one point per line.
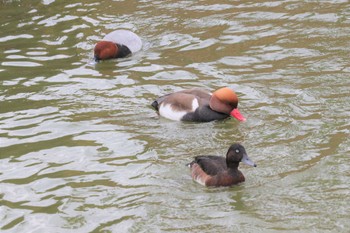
(117, 44)
(199, 105)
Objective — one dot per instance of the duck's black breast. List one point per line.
(123, 51)
(211, 165)
(204, 114)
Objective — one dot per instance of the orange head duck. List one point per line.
(199, 105)
(117, 44)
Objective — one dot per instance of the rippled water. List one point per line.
(82, 150)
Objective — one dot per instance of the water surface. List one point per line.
(81, 149)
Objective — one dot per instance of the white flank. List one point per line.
(168, 112)
(196, 174)
(195, 104)
(199, 180)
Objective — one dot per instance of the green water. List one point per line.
(81, 149)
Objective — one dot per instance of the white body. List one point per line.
(125, 37)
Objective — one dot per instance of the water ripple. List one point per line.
(82, 150)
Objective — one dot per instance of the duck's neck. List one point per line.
(232, 165)
(219, 106)
(123, 51)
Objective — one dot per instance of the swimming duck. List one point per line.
(199, 105)
(213, 170)
(117, 44)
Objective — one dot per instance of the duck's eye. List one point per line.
(237, 151)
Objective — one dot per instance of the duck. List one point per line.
(117, 44)
(211, 170)
(199, 105)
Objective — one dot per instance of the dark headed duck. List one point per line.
(213, 170)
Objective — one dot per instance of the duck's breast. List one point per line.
(125, 37)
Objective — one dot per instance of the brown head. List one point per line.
(236, 154)
(225, 100)
(105, 50)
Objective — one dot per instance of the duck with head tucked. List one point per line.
(212, 170)
(199, 105)
(117, 44)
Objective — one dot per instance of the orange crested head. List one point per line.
(105, 50)
(225, 100)
(226, 95)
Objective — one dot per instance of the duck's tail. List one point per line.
(190, 164)
(159, 101)
(155, 105)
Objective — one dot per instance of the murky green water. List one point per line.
(81, 149)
